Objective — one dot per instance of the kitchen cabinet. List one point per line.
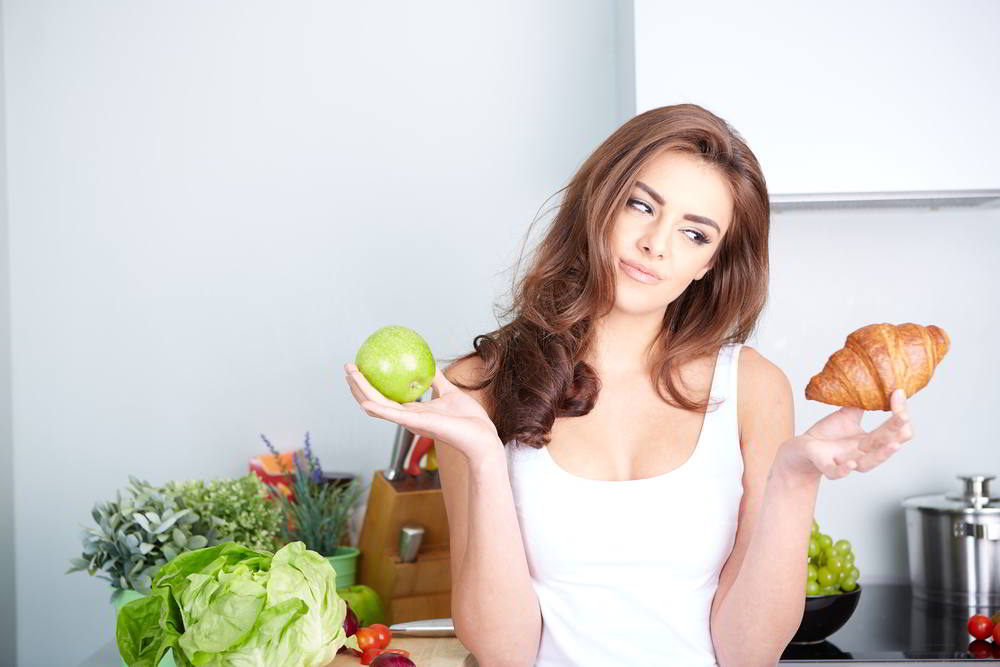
(845, 97)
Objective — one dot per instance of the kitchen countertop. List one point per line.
(889, 625)
(424, 651)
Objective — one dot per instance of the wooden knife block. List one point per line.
(420, 589)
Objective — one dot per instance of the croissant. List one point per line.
(875, 361)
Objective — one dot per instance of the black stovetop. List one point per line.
(890, 625)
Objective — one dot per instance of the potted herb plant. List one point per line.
(136, 534)
(241, 509)
(317, 511)
(140, 531)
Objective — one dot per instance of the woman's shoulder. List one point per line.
(757, 371)
(762, 385)
(469, 371)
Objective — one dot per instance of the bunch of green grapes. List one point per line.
(831, 569)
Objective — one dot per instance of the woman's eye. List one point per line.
(646, 206)
(642, 206)
(698, 237)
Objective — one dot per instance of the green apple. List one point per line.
(398, 362)
(364, 602)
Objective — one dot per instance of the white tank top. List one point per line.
(625, 571)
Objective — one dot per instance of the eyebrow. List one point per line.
(687, 216)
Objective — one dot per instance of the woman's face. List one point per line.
(672, 223)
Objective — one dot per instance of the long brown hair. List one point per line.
(532, 370)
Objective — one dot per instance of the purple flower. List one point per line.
(269, 445)
(314, 466)
(274, 451)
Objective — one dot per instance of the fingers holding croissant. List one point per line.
(877, 359)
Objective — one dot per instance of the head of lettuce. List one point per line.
(229, 606)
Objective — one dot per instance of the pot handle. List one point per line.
(982, 531)
(976, 490)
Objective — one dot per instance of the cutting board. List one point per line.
(424, 652)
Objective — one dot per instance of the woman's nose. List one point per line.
(657, 245)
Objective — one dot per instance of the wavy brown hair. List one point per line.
(532, 367)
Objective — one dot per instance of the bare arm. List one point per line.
(767, 569)
(494, 607)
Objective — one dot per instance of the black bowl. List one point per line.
(824, 615)
(823, 649)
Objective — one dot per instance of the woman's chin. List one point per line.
(630, 304)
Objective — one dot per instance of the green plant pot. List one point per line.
(345, 563)
(119, 601)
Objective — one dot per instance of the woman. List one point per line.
(612, 498)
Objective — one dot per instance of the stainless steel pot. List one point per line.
(953, 543)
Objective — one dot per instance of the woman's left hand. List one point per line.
(836, 445)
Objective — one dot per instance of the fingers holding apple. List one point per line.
(375, 404)
(441, 384)
(455, 419)
(394, 368)
(361, 388)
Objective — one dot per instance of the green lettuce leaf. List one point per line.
(146, 630)
(229, 606)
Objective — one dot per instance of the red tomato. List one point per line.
(996, 635)
(980, 649)
(980, 626)
(368, 637)
(384, 634)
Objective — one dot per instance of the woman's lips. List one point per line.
(638, 275)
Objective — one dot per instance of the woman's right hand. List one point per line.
(454, 417)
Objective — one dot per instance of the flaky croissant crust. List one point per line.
(875, 361)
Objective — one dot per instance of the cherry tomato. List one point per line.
(384, 634)
(996, 635)
(978, 648)
(367, 637)
(980, 626)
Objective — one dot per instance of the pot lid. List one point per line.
(973, 498)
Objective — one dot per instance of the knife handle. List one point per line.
(420, 447)
(400, 447)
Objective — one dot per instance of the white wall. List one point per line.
(836, 271)
(211, 207)
(213, 204)
(7, 606)
(816, 85)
